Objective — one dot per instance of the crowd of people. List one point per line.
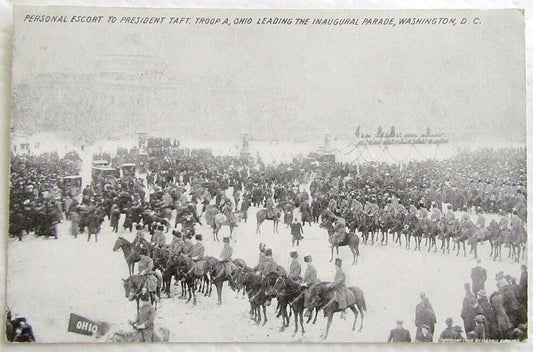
(500, 316)
(354, 197)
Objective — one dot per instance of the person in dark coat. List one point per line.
(488, 313)
(468, 312)
(296, 232)
(478, 276)
(424, 315)
(503, 324)
(399, 334)
(514, 310)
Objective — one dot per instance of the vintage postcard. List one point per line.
(238, 175)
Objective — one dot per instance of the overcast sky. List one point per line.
(469, 79)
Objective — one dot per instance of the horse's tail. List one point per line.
(363, 302)
(359, 297)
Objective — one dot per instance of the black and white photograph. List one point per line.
(267, 175)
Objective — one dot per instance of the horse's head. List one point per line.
(126, 283)
(118, 244)
(316, 294)
(280, 283)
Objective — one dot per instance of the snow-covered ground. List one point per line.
(48, 279)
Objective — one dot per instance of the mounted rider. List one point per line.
(197, 255)
(140, 244)
(227, 210)
(187, 245)
(225, 260)
(310, 278)
(271, 212)
(150, 277)
(261, 263)
(177, 244)
(340, 232)
(295, 269)
(158, 238)
(339, 288)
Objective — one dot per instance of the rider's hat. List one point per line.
(225, 239)
(308, 259)
(294, 254)
(268, 251)
(198, 237)
(176, 233)
(338, 261)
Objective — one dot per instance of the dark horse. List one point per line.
(287, 292)
(256, 294)
(184, 265)
(262, 215)
(131, 255)
(321, 295)
(214, 267)
(134, 285)
(351, 240)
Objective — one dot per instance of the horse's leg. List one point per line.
(353, 252)
(301, 314)
(328, 324)
(218, 286)
(264, 314)
(296, 314)
(331, 259)
(354, 310)
(316, 315)
(194, 294)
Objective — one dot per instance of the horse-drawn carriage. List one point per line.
(72, 185)
(103, 174)
(127, 170)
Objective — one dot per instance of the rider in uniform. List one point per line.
(260, 264)
(225, 260)
(227, 210)
(146, 270)
(309, 279)
(197, 255)
(159, 238)
(187, 245)
(295, 269)
(177, 244)
(340, 232)
(339, 287)
(270, 208)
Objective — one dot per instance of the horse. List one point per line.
(169, 270)
(262, 215)
(130, 254)
(321, 295)
(133, 286)
(184, 265)
(351, 240)
(256, 294)
(222, 220)
(214, 267)
(286, 293)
